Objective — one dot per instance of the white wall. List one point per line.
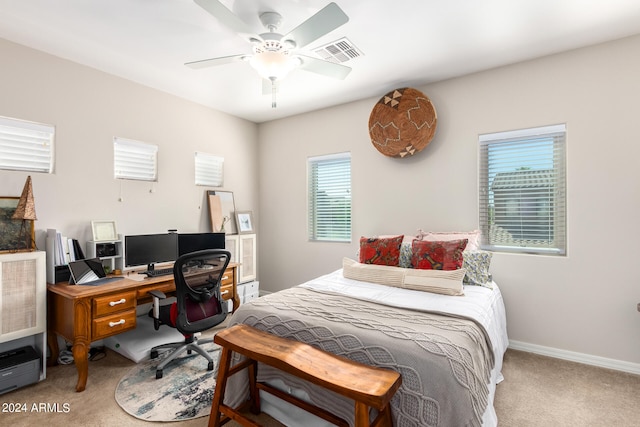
(584, 302)
(89, 108)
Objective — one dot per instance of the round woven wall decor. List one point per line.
(402, 123)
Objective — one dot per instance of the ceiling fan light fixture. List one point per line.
(272, 65)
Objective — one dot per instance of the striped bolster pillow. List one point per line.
(446, 282)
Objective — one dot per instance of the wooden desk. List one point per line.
(83, 314)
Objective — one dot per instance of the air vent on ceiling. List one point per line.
(338, 51)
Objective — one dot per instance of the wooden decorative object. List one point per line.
(402, 123)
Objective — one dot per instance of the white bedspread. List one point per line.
(482, 304)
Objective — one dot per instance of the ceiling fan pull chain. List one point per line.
(273, 93)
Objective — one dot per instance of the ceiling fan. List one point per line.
(275, 55)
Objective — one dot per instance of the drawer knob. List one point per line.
(119, 322)
(224, 277)
(224, 292)
(122, 301)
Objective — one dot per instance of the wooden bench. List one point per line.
(368, 386)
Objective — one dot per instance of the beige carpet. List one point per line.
(537, 391)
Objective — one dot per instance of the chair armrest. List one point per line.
(157, 296)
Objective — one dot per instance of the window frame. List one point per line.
(135, 160)
(528, 174)
(26, 146)
(209, 169)
(342, 233)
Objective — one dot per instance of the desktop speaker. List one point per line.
(105, 249)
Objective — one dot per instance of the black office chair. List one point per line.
(199, 305)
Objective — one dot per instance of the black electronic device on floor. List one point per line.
(19, 367)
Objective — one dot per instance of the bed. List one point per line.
(449, 349)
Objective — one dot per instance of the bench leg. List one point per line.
(253, 388)
(384, 418)
(221, 384)
(362, 415)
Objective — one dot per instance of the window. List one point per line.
(26, 146)
(330, 198)
(523, 190)
(209, 170)
(135, 160)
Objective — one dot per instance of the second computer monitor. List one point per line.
(192, 242)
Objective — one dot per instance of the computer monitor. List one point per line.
(150, 249)
(191, 242)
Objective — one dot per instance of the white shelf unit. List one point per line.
(243, 248)
(23, 303)
(102, 250)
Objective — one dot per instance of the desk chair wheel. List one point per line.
(158, 374)
(210, 366)
(154, 354)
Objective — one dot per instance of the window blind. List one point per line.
(329, 192)
(26, 146)
(522, 190)
(135, 160)
(209, 169)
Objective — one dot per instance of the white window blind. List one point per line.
(330, 197)
(209, 170)
(135, 160)
(522, 179)
(26, 146)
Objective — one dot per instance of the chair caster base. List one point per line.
(158, 374)
(210, 366)
(154, 354)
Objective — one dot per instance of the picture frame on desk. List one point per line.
(12, 238)
(244, 219)
(104, 231)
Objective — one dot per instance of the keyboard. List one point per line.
(103, 280)
(159, 272)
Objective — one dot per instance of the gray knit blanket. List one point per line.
(445, 362)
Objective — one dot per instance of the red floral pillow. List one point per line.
(437, 255)
(380, 250)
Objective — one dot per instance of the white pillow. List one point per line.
(446, 282)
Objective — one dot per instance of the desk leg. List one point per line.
(82, 341)
(81, 359)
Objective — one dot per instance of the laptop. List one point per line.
(89, 272)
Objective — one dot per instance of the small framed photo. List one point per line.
(104, 231)
(244, 220)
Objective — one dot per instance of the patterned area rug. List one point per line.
(185, 391)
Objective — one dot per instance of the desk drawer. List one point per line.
(226, 292)
(114, 324)
(227, 277)
(113, 303)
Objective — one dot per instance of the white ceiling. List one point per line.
(404, 43)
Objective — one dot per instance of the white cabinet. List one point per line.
(243, 248)
(23, 303)
(231, 243)
(247, 270)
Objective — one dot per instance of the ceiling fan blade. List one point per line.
(326, 20)
(227, 18)
(214, 61)
(326, 68)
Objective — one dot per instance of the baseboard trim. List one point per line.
(602, 362)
